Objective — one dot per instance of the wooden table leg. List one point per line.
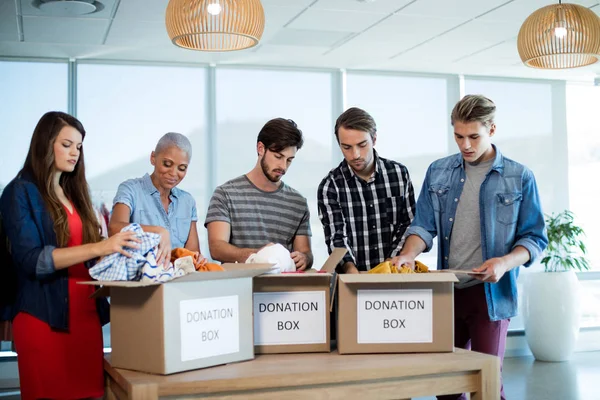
(108, 392)
(490, 381)
(147, 391)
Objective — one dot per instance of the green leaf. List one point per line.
(566, 246)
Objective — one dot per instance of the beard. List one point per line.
(272, 177)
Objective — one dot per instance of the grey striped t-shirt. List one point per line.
(258, 217)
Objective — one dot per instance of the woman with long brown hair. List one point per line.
(53, 234)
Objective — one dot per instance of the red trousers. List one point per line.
(473, 329)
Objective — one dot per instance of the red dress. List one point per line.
(57, 364)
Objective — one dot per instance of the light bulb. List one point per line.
(560, 32)
(214, 8)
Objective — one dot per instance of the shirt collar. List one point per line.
(349, 173)
(151, 189)
(498, 164)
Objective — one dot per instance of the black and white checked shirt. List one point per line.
(367, 218)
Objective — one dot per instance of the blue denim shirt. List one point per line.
(143, 200)
(511, 216)
(42, 291)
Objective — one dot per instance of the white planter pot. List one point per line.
(552, 312)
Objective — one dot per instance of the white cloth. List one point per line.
(275, 254)
(151, 272)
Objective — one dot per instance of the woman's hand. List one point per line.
(200, 260)
(117, 244)
(164, 249)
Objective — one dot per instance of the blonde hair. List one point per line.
(474, 108)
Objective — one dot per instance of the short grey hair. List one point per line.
(173, 139)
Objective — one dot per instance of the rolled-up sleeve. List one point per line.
(26, 247)
(423, 225)
(406, 215)
(126, 195)
(531, 228)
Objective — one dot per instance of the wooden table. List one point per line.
(320, 376)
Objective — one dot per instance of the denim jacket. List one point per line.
(42, 291)
(511, 216)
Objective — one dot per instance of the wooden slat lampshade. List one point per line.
(215, 25)
(560, 36)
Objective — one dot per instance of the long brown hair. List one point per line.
(40, 165)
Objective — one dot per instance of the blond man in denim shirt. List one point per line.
(485, 210)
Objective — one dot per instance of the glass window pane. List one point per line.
(27, 91)
(584, 162)
(247, 99)
(125, 109)
(412, 122)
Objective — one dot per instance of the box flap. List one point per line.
(372, 278)
(101, 292)
(333, 260)
(333, 288)
(254, 270)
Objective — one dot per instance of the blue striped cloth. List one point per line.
(117, 267)
(151, 272)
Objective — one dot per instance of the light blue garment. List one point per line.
(143, 199)
(510, 216)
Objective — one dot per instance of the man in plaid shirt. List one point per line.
(367, 202)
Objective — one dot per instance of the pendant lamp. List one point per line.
(215, 25)
(560, 36)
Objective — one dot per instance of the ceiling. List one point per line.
(475, 37)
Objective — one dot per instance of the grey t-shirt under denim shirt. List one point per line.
(143, 199)
(465, 241)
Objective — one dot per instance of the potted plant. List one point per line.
(552, 307)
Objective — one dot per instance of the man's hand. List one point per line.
(350, 268)
(300, 260)
(405, 260)
(493, 270)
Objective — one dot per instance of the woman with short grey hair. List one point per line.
(154, 201)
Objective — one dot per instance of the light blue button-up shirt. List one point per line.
(510, 216)
(143, 200)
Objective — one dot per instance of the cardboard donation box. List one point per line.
(396, 313)
(291, 310)
(198, 320)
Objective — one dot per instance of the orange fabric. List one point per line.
(210, 267)
(201, 266)
(182, 252)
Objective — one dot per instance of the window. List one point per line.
(247, 99)
(584, 162)
(28, 91)
(125, 109)
(412, 120)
